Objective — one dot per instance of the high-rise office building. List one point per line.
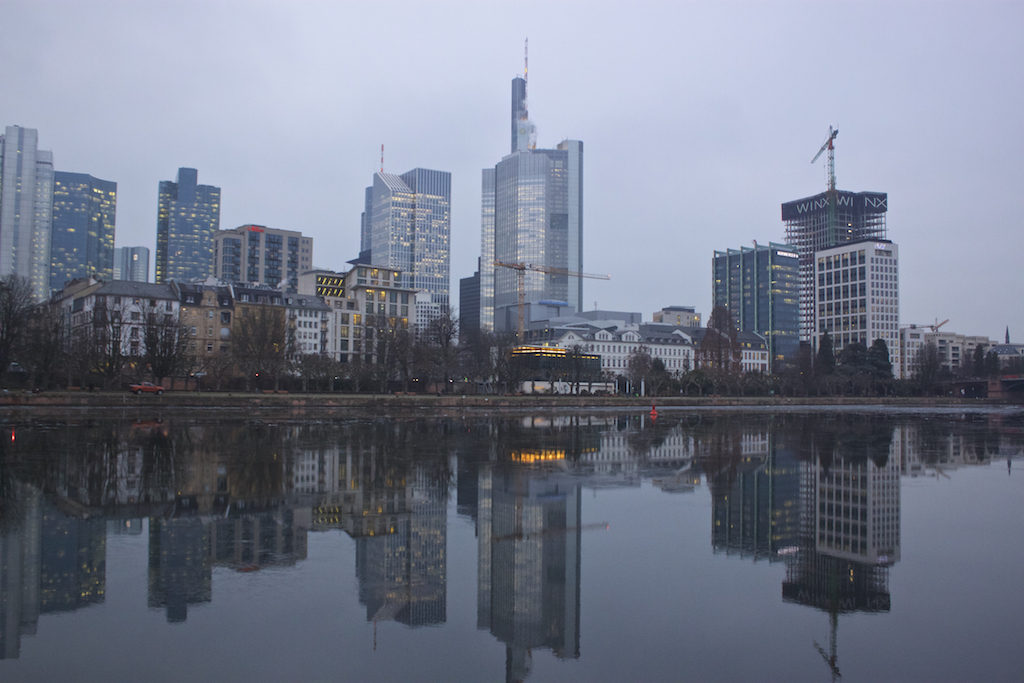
(131, 263)
(406, 227)
(256, 254)
(857, 296)
(82, 241)
(760, 287)
(531, 214)
(187, 220)
(26, 205)
(827, 220)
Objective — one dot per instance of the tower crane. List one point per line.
(521, 269)
(830, 146)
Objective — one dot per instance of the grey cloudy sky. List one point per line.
(698, 120)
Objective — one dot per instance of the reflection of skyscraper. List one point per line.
(850, 507)
(758, 515)
(20, 559)
(73, 562)
(179, 565)
(401, 544)
(528, 588)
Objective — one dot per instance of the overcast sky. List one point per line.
(698, 120)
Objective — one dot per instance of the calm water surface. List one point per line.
(595, 546)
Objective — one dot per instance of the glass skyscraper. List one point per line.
(761, 288)
(131, 263)
(188, 217)
(82, 242)
(406, 227)
(532, 215)
(26, 204)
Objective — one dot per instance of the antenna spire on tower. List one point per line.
(526, 59)
(382, 157)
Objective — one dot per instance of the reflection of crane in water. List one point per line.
(527, 535)
(832, 656)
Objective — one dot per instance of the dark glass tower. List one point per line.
(82, 242)
(187, 220)
(761, 287)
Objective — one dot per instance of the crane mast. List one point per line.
(829, 145)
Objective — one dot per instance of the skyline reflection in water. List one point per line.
(819, 496)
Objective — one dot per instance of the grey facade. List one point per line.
(188, 217)
(131, 263)
(257, 254)
(26, 204)
(761, 288)
(84, 216)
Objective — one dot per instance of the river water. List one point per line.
(595, 545)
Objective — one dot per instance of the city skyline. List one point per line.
(719, 120)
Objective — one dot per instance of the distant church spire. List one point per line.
(1007, 334)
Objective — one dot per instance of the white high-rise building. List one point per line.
(406, 227)
(26, 208)
(857, 296)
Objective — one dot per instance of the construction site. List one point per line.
(827, 220)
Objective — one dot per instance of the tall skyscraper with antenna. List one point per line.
(531, 213)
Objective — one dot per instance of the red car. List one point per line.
(146, 388)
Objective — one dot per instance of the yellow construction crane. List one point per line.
(521, 269)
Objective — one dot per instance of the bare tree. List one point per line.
(440, 338)
(15, 314)
(166, 344)
(260, 346)
(720, 347)
(43, 352)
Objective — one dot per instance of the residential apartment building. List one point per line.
(365, 304)
(111, 317)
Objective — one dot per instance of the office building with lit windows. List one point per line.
(367, 305)
(761, 288)
(857, 296)
(255, 254)
(82, 241)
(531, 214)
(188, 217)
(131, 263)
(26, 203)
(406, 227)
